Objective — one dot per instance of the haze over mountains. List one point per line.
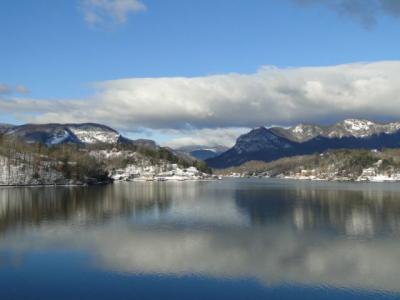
(203, 152)
(270, 144)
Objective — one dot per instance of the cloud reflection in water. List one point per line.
(301, 233)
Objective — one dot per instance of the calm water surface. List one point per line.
(230, 239)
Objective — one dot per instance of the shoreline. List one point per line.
(201, 180)
(102, 183)
(316, 179)
(53, 185)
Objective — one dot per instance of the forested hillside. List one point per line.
(23, 163)
(361, 165)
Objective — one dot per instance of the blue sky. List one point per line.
(51, 49)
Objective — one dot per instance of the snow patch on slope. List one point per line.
(92, 136)
(59, 137)
(304, 132)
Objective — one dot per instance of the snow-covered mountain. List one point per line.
(54, 134)
(347, 128)
(269, 144)
(259, 144)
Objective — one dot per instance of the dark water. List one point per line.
(231, 239)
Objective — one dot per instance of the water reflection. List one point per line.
(353, 210)
(317, 235)
(21, 207)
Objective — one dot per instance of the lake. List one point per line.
(229, 239)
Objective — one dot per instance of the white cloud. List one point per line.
(207, 136)
(110, 11)
(269, 96)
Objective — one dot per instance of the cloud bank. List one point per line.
(365, 12)
(211, 137)
(269, 96)
(9, 89)
(110, 11)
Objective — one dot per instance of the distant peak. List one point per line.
(359, 121)
(298, 128)
(260, 128)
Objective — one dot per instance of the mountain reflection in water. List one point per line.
(277, 232)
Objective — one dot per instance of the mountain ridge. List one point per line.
(345, 128)
(52, 134)
(268, 144)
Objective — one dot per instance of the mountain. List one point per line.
(259, 144)
(55, 134)
(82, 134)
(264, 144)
(346, 128)
(202, 152)
(89, 154)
